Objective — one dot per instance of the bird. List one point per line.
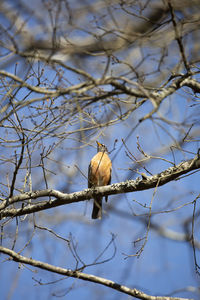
(99, 174)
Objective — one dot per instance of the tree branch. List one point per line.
(139, 184)
(83, 276)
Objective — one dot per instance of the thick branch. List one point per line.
(139, 184)
(76, 274)
(117, 82)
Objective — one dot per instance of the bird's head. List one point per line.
(101, 147)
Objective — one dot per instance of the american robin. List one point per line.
(99, 174)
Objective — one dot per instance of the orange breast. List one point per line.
(100, 171)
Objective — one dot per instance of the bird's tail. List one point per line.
(97, 208)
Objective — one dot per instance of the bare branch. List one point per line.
(118, 188)
(83, 276)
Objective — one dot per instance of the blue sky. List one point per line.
(165, 265)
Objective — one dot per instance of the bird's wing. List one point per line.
(89, 176)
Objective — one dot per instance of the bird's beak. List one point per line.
(99, 144)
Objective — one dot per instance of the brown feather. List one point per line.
(99, 174)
